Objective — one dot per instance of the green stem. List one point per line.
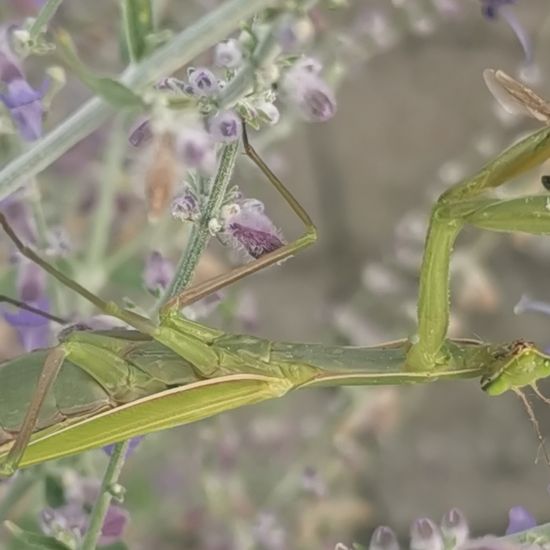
(43, 17)
(183, 48)
(101, 506)
(201, 232)
(101, 226)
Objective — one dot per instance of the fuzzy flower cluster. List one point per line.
(452, 533)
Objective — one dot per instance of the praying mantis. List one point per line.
(99, 387)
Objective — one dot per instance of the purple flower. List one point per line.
(203, 82)
(158, 272)
(132, 446)
(519, 519)
(492, 9)
(33, 330)
(22, 101)
(186, 205)
(246, 226)
(308, 92)
(18, 216)
(196, 149)
(228, 54)
(225, 127)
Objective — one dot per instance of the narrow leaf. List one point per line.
(111, 90)
(34, 540)
(137, 18)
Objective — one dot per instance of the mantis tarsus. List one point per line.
(99, 387)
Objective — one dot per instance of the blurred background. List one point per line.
(323, 466)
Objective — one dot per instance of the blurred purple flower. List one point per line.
(158, 272)
(519, 519)
(186, 205)
(33, 330)
(132, 446)
(225, 127)
(246, 226)
(308, 92)
(196, 148)
(203, 81)
(492, 9)
(18, 216)
(22, 101)
(228, 54)
(114, 524)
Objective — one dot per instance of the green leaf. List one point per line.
(111, 90)
(55, 495)
(137, 18)
(35, 540)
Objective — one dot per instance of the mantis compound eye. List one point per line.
(545, 180)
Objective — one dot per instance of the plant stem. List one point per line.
(200, 234)
(101, 506)
(46, 13)
(180, 50)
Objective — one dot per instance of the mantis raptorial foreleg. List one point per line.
(197, 292)
(459, 206)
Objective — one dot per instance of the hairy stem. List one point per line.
(101, 506)
(201, 232)
(180, 50)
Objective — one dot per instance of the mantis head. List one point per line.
(515, 365)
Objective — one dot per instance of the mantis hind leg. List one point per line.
(309, 236)
(49, 373)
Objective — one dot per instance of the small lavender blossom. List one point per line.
(158, 272)
(246, 226)
(23, 102)
(203, 82)
(196, 149)
(492, 9)
(425, 535)
(519, 519)
(141, 133)
(186, 205)
(225, 127)
(19, 217)
(383, 538)
(308, 92)
(228, 54)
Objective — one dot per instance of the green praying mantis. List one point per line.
(98, 387)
